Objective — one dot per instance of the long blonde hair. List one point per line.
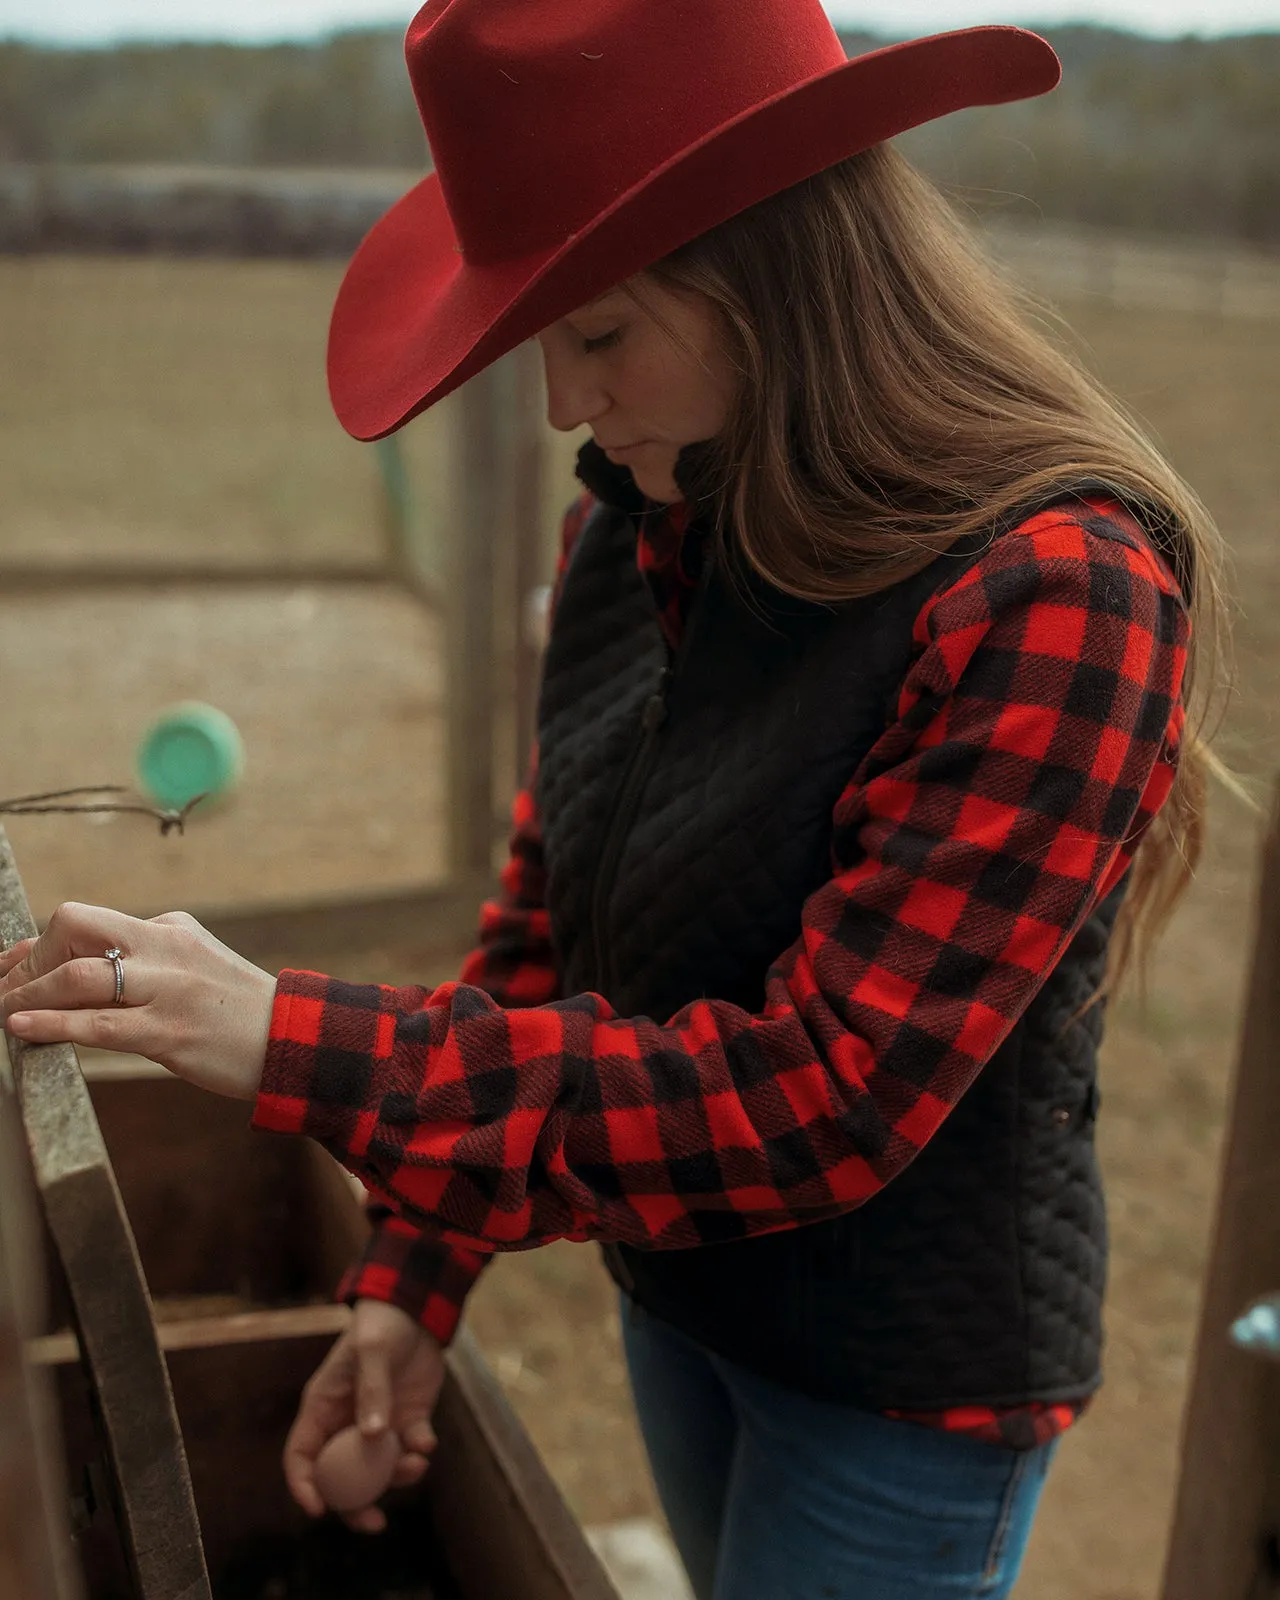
(895, 395)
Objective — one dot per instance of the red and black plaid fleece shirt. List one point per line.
(477, 1112)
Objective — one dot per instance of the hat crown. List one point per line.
(541, 113)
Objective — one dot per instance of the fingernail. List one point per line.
(373, 1423)
(19, 1023)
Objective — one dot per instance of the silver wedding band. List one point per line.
(116, 958)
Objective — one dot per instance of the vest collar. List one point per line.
(611, 484)
(614, 485)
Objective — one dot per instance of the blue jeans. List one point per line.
(772, 1495)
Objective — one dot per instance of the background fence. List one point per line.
(1132, 270)
(323, 214)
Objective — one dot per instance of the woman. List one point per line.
(863, 757)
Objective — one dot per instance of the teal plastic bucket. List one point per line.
(190, 749)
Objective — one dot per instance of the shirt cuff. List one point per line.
(287, 1099)
(428, 1278)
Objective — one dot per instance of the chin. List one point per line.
(658, 488)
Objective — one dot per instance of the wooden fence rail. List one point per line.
(173, 210)
(304, 212)
(1226, 1535)
(1129, 270)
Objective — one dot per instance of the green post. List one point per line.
(397, 508)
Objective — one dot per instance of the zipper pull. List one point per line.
(655, 707)
(654, 713)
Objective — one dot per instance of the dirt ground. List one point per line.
(161, 407)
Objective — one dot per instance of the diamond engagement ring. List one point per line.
(115, 957)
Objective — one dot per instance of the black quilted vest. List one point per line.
(687, 814)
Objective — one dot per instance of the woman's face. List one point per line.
(647, 379)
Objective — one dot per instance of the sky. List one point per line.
(104, 21)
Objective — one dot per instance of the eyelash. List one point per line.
(606, 341)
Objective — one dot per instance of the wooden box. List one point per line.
(243, 1237)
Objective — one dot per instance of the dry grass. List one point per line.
(148, 407)
(151, 409)
(156, 408)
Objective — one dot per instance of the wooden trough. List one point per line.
(191, 1264)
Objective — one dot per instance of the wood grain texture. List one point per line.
(314, 935)
(482, 528)
(1226, 1531)
(202, 1333)
(95, 1245)
(35, 1546)
(529, 474)
(485, 1459)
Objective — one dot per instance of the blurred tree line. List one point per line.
(1170, 135)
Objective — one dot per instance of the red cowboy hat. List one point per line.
(578, 141)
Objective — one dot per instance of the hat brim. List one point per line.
(413, 319)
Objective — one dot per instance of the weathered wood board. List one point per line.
(35, 1551)
(108, 1300)
(1226, 1532)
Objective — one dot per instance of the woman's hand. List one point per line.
(189, 1003)
(384, 1371)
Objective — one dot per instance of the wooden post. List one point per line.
(527, 482)
(495, 463)
(397, 505)
(35, 1545)
(480, 517)
(1227, 1516)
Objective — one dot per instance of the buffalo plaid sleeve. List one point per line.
(1036, 733)
(423, 1274)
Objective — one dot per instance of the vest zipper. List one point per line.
(652, 716)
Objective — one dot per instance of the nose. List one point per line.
(574, 395)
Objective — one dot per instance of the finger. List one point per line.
(408, 1470)
(370, 1520)
(79, 984)
(76, 930)
(418, 1436)
(326, 1408)
(96, 1030)
(302, 1487)
(301, 1448)
(373, 1388)
(16, 952)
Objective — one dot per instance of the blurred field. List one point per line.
(175, 412)
(168, 409)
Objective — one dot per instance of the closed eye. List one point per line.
(606, 341)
